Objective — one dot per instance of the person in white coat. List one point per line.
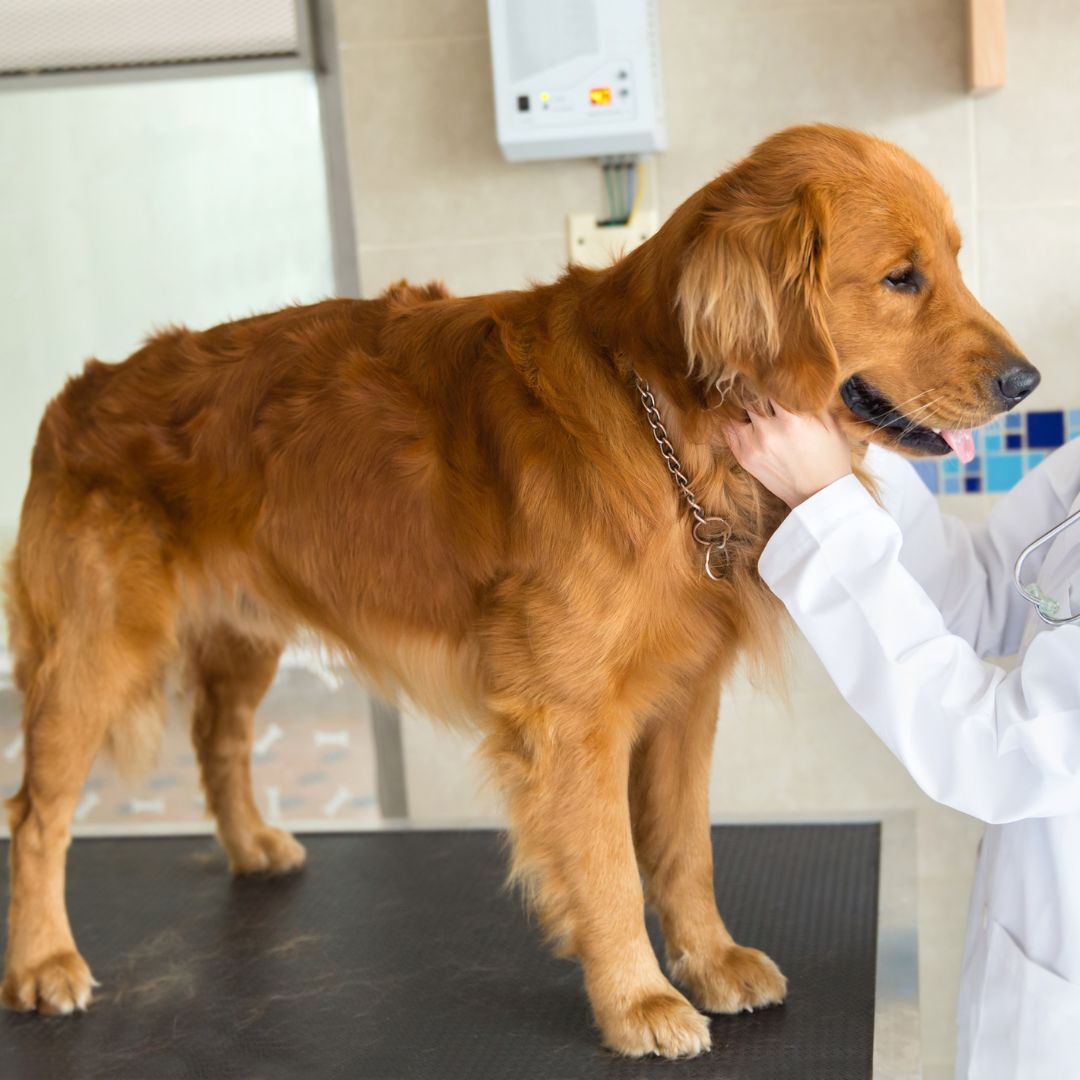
(901, 603)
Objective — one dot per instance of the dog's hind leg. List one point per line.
(669, 797)
(231, 674)
(91, 635)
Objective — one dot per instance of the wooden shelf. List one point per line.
(986, 45)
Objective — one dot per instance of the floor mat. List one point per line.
(401, 956)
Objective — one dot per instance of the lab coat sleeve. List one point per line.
(998, 746)
(967, 570)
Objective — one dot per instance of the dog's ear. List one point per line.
(752, 295)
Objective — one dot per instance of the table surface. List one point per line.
(401, 955)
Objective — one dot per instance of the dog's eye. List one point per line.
(906, 280)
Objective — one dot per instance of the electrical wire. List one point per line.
(609, 183)
(638, 187)
(624, 181)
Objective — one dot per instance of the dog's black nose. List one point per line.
(1017, 380)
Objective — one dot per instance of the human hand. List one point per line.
(791, 454)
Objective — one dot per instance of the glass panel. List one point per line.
(133, 206)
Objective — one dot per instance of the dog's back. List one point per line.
(227, 485)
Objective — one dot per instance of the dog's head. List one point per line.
(823, 274)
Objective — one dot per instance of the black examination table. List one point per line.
(402, 955)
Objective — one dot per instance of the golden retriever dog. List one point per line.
(467, 498)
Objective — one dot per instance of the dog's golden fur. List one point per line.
(465, 497)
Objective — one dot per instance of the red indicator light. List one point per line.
(600, 95)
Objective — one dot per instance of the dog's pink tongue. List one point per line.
(961, 442)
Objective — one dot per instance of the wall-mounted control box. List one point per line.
(576, 78)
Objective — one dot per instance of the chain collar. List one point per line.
(712, 533)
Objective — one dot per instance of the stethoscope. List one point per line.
(1046, 607)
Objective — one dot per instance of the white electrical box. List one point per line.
(576, 78)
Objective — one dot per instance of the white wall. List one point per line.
(130, 206)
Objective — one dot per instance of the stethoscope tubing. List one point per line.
(1046, 537)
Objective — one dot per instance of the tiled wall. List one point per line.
(433, 198)
(1004, 451)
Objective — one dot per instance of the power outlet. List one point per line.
(590, 244)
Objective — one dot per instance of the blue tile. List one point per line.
(951, 465)
(1013, 421)
(992, 442)
(1034, 458)
(1045, 429)
(1014, 442)
(952, 485)
(972, 484)
(974, 466)
(928, 471)
(1074, 418)
(1003, 471)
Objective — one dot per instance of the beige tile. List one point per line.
(1027, 135)
(971, 508)
(1027, 270)
(367, 21)
(445, 779)
(967, 220)
(937, 1068)
(424, 161)
(948, 842)
(942, 919)
(895, 70)
(809, 754)
(709, 9)
(466, 269)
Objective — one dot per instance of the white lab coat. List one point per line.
(900, 606)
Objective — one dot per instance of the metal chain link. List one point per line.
(712, 533)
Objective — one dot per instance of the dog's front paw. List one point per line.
(56, 986)
(266, 850)
(664, 1024)
(730, 979)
